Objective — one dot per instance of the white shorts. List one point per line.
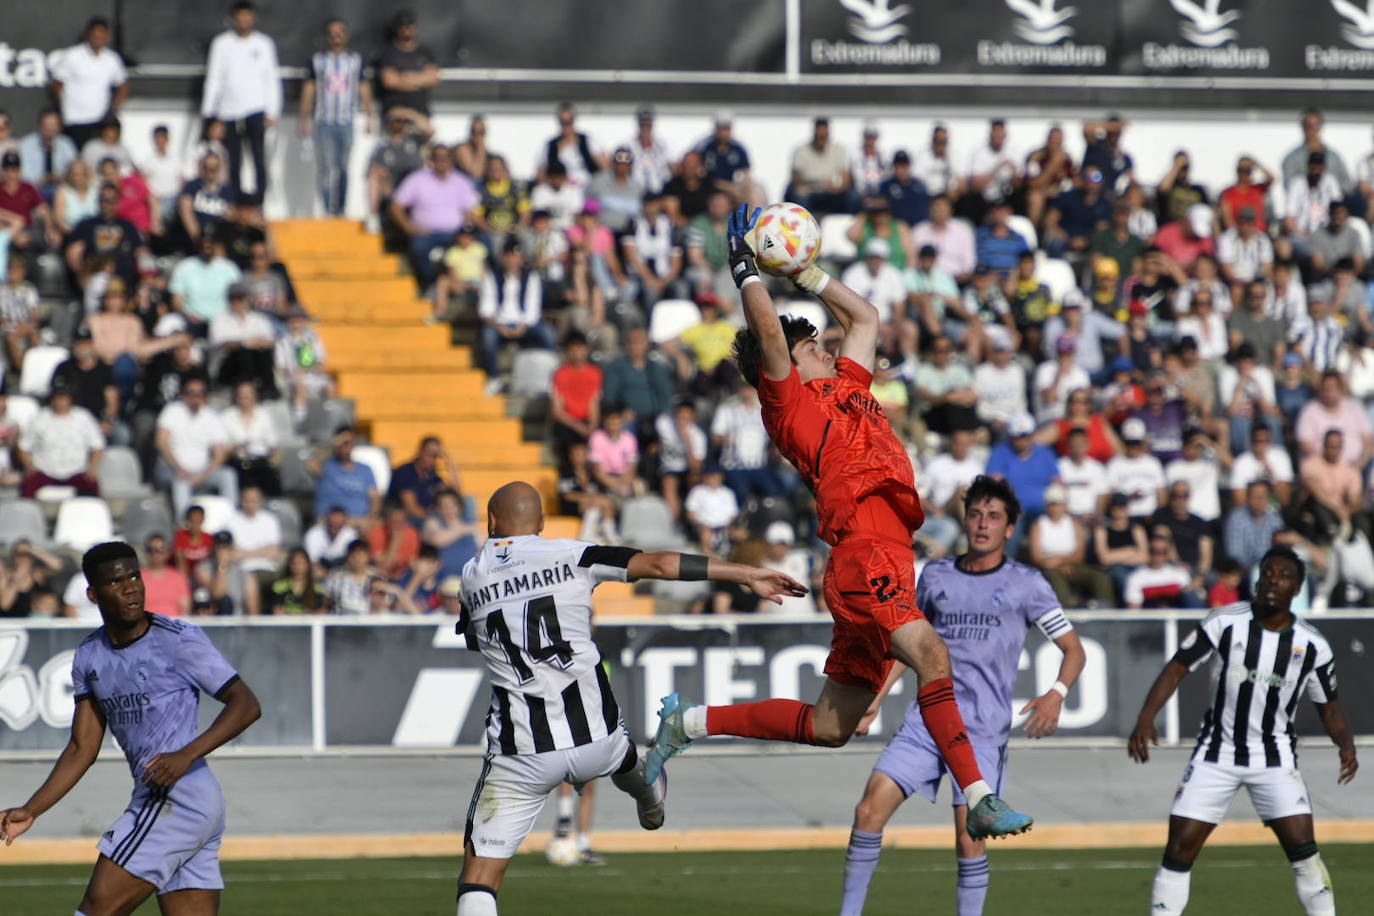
(512, 789)
(1207, 789)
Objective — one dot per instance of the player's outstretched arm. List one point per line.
(88, 731)
(1144, 735)
(666, 564)
(759, 310)
(1334, 721)
(1044, 710)
(241, 709)
(853, 313)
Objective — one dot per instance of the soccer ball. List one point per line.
(786, 240)
(562, 851)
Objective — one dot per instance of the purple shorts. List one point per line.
(171, 838)
(912, 761)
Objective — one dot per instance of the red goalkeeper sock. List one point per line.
(771, 720)
(940, 713)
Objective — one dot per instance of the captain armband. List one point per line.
(1054, 624)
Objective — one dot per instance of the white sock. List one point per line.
(1314, 887)
(566, 805)
(1169, 896)
(476, 903)
(975, 792)
(584, 841)
(694, 722)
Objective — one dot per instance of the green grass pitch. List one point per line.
(1227, 880)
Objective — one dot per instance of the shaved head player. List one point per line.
(527, 607)
(821, 416)
(141, 676)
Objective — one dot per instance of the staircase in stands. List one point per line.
(405, 377)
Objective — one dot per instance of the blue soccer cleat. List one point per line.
(994, 818)
(670, 739)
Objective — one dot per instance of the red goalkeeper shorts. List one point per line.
(870, 587)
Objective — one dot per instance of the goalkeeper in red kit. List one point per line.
(821, 416)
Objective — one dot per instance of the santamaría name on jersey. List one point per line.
(524, 582)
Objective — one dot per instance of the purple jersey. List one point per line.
(149, 690)
(983, 618)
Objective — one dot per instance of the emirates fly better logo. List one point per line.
(1211, 41)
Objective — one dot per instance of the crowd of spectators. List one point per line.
(1172, 376)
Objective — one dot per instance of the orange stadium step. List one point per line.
(309, 226)
(402, 338)
(354, 269)
(455, 433)
(396, 290)
(401, 361)
(458, 384)
(423, 406)
(293, 246)
(363, 311)
(618, 599)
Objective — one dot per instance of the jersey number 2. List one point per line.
(544, 640)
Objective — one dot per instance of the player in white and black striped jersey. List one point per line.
(1264, 659)
(527, 607)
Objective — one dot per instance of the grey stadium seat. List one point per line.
(279, 413)
(322, 418)
(290, 518)
(532, 373)
(145, 518)
(295, 475)
(121, 474)
(22, 520)
(646, 523)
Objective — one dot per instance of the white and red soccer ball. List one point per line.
(786, 240)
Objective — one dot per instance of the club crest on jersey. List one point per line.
(502, 550)
(1298, 653)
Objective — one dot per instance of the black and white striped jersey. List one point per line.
(1258, 676)
(527, 607)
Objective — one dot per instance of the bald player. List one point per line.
(527, 607)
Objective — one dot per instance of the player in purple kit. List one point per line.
(981, 604)
(142, 675)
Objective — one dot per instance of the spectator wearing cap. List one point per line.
(43, 157)
(1245, 252)
(342, 481)
(1335, 242)
(326, 542)
(1162, 582)
(711, 511)
(166, 590)
(907, 197)
(708, 256)
(397, 154)
(950, 236)
(203, 202)
(1252, 524)
(878, 223)
(618, 191)
(997, 244)
(726, 160)
(1084, 477)
(416, 485)
(1000, 384)
(1200, 468)
(505, 206)
(1308, 200)
(652, 168)
(572, 150)
(1088, 327)
(511, 309)
(1029, 467)
(332, 93)
(393, 541)
(876, 279)
(257, 546)
(346, 589)
(944, 390)
(430, 206)
(933, 167)
(1058, 548)
(106, 235)
(1299, 158)
(682, 452)
(465, 265)
(820, 177)
(1049, 171)
(200, 284)
(784, 556)
(406, 71)
(1334, 409)
(1076, 215)
(1056, 379)
(60, 446)
(243, 89)
(1318, 338)
(89, 81)
(193, 447)
(1246, 395)
(1176, 191)
(932, 292)
(641, 382)
(1106, 153)
(241, 345)
(1250, 192)
(557, 195)
(1116, 243)
(653, 254)
(1137, 473)
(946, 476)
(576, 390)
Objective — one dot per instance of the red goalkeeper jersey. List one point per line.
(837, 437)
